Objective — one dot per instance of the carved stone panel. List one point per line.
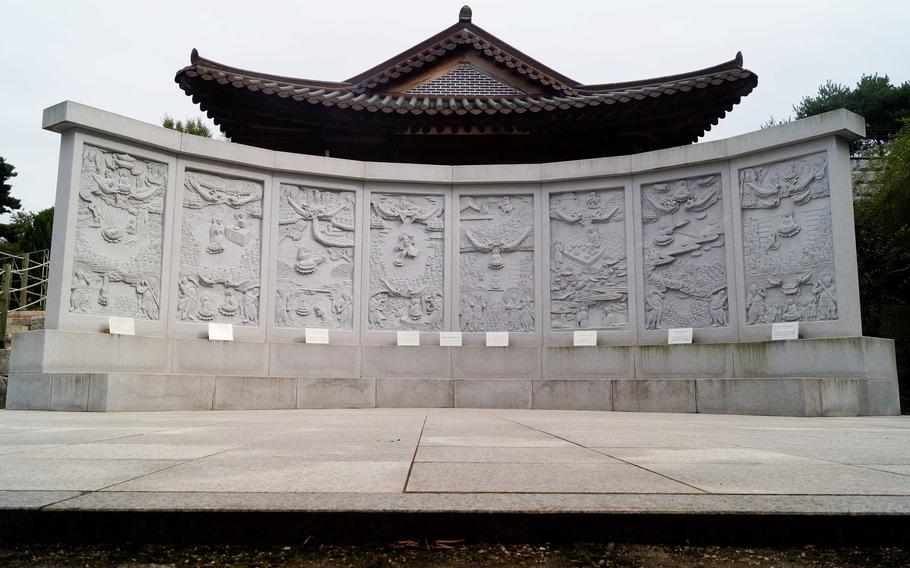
(220, 250)
(788, 248)
(496, 263)
(119, 233)
(684, 258)
(589, 286)
(315, 285)
(407, 253)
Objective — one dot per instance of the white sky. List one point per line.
(121, 56)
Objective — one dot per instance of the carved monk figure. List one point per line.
(189, 299)
(496, 262)
(147, 293)
(434, 309)
(250, 307)
(216, 236)
(342, 308)
(207, 309)
(376, 313)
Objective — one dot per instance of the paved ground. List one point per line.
(453, 460)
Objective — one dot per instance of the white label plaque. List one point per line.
(783, 331)
(450, 339)
(497, 339)
(221, 332)
(121, 326)
(679, 335)
(585, 338)
(318, 335)
(409, 339)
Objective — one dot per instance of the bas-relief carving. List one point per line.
(220, 250)
(685, 267)
(407, 252)
(588, 271)
(788, 247)
(119, 231)
(315, 286)
(496, 263)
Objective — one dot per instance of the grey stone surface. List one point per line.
(463, 460)
(118, 392)
(336, 393)
(492, 393)
(785, 397)
(427, 362)
(643, 395)
(221, 357)
(602, 361)
(496, 362)
(28, 391)
(578, 394)
(70, 391)
(253, 393)
(879, 398)
(409, 393)
(57, 351)
(684, 361)
(314, 361)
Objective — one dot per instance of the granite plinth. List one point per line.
(833, 377)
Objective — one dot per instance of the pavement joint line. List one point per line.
(613, 457)
(407, 478)
(180, 462)
(52, 446)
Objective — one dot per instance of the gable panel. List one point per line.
(464, 80)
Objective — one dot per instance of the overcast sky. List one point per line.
(121, 56)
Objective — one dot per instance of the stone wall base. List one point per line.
(72, 371)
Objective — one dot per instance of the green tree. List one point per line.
(883, 105)
(8, 203)
(191, 126)
(27, 232)
(883, 252)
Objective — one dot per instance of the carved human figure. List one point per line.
(433, 304)
(581, 316)
(240, 221)
(188, 302)
(282, 308)
(826, 307)
(654, 306)
(558, 254)
(415, 309)
(792, 312)
(527, 315)
(147, 294)
(216, 236)
(320, 314)
(376, 315)
(496, 262)
(342, 307)
(593, 201)
(755, 305)
(304, 308)
(250, 306)
(788, 227)
(306, 261)
(718, 308)
(231, 305)
(207, 310)
(406, 248)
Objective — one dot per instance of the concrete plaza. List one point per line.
(453, 460)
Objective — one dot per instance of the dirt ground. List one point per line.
(444, 553)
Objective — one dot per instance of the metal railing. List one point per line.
(29, 272)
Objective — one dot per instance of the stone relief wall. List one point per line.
(118, 235)
(407, 252)
(588, 272)
(496, 263)
(220, 250)
(315, 258)
(788, 247)
(684, 259)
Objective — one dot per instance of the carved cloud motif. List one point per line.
(119, 231)
(316, 243)
(220, 250)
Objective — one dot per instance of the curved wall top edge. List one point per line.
(69, 114)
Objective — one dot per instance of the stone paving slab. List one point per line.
(438, 460)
